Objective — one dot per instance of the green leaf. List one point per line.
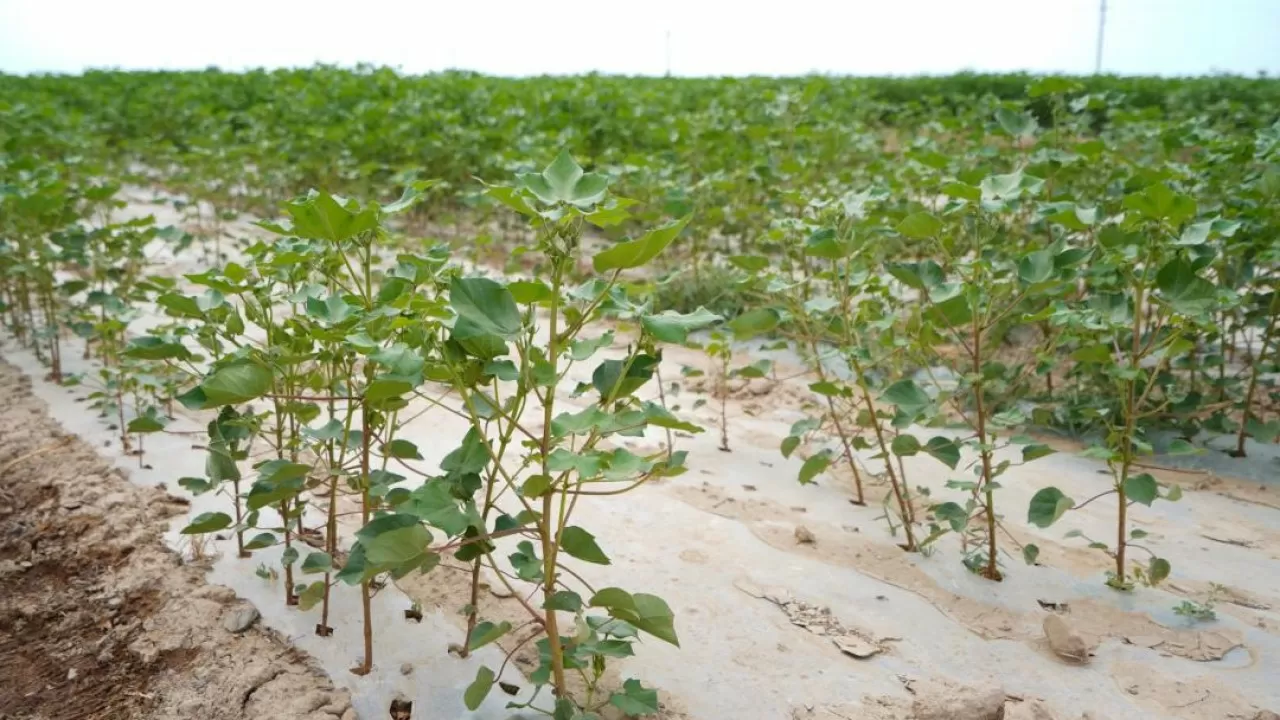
(1159, 202)
(1141, 488)
(317, 562)
(479, 688)
(1036, 267)
(394, 539)
(1047, 506)
(528, 292)
(813, 467)
(207, 523)
(565, 600)
(235, 384)
(608, 380)
(789, 445)
(564, 181)
(1157, 570)
(653, 616)
(905, 445)
(635, 700)
(486, 632)
(944, 450)
(581, 544)
(638, 252)
(1030, 552)
(147, 423)
(385, 388)
(1017, 124)
(536, 486)
(1093, 354)
(1182, 447)
(400, 448)
(910, 398)
(153, 348)
(487, 305)
(1035, 451)
(919, 225)
(1185, 291)
(673, 327)
(320, 216)
(754, 322)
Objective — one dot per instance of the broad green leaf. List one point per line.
(487, 305)
(394, 539)
(479, 688)
(1141, 488)
(1017, 124)
(638, 252)
(944, 450)
(1047, 506)
(235, 384)
(813, 467)
(920, 225)
(910, 398)
(635, 700)
(905, 445)
(1030, 552)
(321, 216)
(754, 322)
(673, 327)
(1035, 450)
(581, 544)
(150, 347)
(207, 523)
(486, 632)
(565, 600)
(1184, 289)
(316, 562)
(1157, 570)
(528, 292)
(564, 181)
(1036, 267)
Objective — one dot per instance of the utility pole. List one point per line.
(1102, 29)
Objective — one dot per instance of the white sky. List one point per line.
(707, 37)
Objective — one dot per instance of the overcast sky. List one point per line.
(707, 37)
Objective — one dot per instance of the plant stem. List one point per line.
(1255, 369)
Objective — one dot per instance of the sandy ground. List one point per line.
(840, 625)
(99, 619)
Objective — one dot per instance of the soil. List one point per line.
(99, 619)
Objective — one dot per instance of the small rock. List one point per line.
(72, 674)
(804, 536)
(1266, 715)
(26, 564)
(406, 669)
(854, 646)
(115, 602)
(1065, 642)
(947, 701)
(9, 567)
(70, 504)
(237, 620)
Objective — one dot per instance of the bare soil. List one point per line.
(99, 619)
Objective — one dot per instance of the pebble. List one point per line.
(804, 536)
(237, 620)
(72, 674)
(406, 669)
(1065, 642)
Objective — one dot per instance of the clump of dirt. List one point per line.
(99, 619)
